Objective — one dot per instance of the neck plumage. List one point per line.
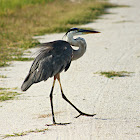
(78, 42)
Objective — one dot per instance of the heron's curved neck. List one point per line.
(78, 42)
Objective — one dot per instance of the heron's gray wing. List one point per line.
(52, 59)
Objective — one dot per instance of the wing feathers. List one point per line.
(51, 60)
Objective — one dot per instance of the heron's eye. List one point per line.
(77, 31)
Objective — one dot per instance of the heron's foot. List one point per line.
(84, 114)
(54, 124)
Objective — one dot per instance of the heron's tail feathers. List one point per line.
(27, 82)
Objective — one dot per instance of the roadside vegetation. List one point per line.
(112, 74)
(7, 94)
(26, 133)
(20, 20)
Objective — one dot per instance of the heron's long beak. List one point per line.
(89, 31)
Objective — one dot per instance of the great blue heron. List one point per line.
(53, 58)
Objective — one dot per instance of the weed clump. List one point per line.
(112, 74)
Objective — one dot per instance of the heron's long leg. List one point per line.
(65, 98)
(51, 100)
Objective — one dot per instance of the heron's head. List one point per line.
(77, 31)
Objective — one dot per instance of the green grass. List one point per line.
(112, 74)
(3, 88)
(20, 20)
(7, 95)
(10, 5)
(25, 133)
(3, 76)
(22, 59)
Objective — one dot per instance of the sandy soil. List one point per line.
(115, 101)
